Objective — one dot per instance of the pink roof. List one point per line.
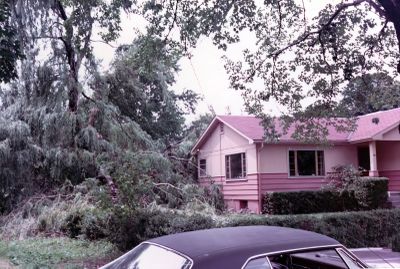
(251, 128)
(367, 127)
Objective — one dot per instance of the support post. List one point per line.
(373, 172)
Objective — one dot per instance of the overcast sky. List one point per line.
(204, 72)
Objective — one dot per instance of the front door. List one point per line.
(363, 159)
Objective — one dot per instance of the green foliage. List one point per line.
(129, 228)
(10, 49)
(369, 93)
(282, 203)
(343, 177)
(139, 85)
(375, 228)
(341, 42)
(374, 192)
(50, 252)
(369, 193)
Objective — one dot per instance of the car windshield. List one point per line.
(148, 256)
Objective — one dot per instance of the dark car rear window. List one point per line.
(148, 256)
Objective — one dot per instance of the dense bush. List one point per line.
(365, 194)
(374, 192)
(304, 202)
(128, 229)
(375, 228)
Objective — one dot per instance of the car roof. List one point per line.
(231, 246)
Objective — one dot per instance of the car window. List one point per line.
(258, 263)
(327, 259)
(350, 261)
(148, 256)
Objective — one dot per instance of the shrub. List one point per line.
(374, 192)
(129, 228)
(364, 194)
(72, 226)
(343, 177)
(311, 202)
(375, 228)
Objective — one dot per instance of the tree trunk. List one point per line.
(73, 85)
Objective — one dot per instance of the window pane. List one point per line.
(292, 166)
(321, 164)
(148, 256)
(202, 168)
(236, 165)
(260, 263)
(351, 262)
(312, 259)
(227, 167)
(306, 163)
(243, 165)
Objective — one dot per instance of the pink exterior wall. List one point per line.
(392, 135)
(229, 142)
(267, 166)
(274, 166)
(236, 190)
(214, 151)
(281, 182)
(388, 156)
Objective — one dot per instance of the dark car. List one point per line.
(249, 247)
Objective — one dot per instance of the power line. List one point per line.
(210, 106)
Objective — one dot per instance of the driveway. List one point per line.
(378, 257)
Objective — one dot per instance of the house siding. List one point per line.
(274, 166)
(281, 182)
(267, 165)
(388, 155)
(236, 190)
(392, 135)
(394, 179)
(217, 146)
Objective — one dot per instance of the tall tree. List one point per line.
(370, 93)
(140, 84)
(10, 49)
(66, 29)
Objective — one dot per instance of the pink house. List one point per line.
(232, 153)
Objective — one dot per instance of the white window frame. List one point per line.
(202, 171)
(243, 166)
(317, 166)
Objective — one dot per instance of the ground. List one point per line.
(4, 264)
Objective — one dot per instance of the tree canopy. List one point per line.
(295, 60)
(370, 93)
(141, 82)
(10, 49)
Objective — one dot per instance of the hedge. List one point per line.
(376, 191)
(375, 228)
(369, 193)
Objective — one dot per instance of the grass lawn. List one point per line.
(57, 253)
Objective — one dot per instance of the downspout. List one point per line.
(259, 178)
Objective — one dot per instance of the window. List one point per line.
(202, 168)
(243, 204)
(306, 163)
(313, 259)
(259, 263)
(147, 256)
(235, 166)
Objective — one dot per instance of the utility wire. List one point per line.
(210, 106)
